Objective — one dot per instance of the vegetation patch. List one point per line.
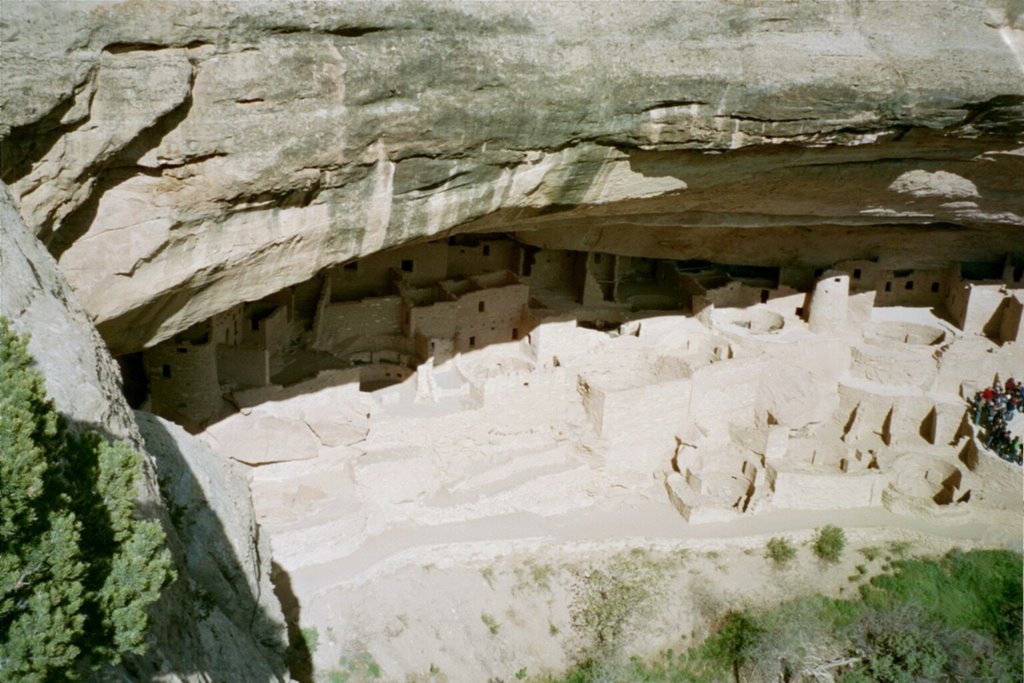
(956, 618)
(78, 570)
(828, 543)
(780, 551)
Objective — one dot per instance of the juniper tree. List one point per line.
(77, 570)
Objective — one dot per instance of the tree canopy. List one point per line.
(77, 568)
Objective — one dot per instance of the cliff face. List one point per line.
(180, 157)
(220, 618)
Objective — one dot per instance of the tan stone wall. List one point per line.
(502, 314)
(191, 394)
(464, 261)
(552, 269)
(828, 305)
(975, 307)
(340, 321)
(1012, 327)
(371, 276)
(227, 327)
(245, 367)
(895, 287)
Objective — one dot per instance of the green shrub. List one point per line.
(312, 639)
(734, 642)
(780, 551)
(77, 570)
(829, 542)
(490, 622)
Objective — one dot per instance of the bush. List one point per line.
(829, 542)
(77, 570)
(735, 641)
(780, 551)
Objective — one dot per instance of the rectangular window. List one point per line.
(255, 325)
(935, 287)
(407, 265)
(764, 296)
(597, 258)
(487, 250)
(909, 285)
(480, 307)
(856, 273)
(472, 342)
(165, 370)
(515, 333)
(888, 286)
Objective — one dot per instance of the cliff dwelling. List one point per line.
(432, 321)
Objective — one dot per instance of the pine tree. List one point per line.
(77, 570)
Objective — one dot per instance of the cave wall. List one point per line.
(179, 158)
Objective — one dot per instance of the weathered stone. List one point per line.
(201, 630)
(267, 144)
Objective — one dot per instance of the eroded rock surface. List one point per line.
(180, 158)
(198, 633)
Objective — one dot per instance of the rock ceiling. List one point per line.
(179, 158)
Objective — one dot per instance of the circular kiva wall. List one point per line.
(916, 334)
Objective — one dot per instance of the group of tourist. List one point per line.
(994, 408)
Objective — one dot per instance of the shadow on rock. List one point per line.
(221, 618)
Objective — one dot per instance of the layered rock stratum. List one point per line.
(181, 157)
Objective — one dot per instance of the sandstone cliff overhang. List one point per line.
(179, 158)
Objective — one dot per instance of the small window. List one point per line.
(835, 279)
(351, 267)
(181, 349)
(487, 250)
(407, 265)
(255, 324)
(888, 286)
(764, 296)
(472, 342)
(799, 311)
(480, 307)
(597, 258)
(515, 333)
(165, 370)
(856, 273)
(909, 285)
(935, 287)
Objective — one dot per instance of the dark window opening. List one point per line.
(935, 287)
(529, 258)
(835, 279)
(909, 285)
(888, 286)
(480, 307)
(165, 370)
(799, 311)
(351, 267)
(407, 265)
(597, 258)
(487, 250)
(856, 273)
(255, 325)
(472, 342)
(515, 333)
(181, 349)
(764, 296)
